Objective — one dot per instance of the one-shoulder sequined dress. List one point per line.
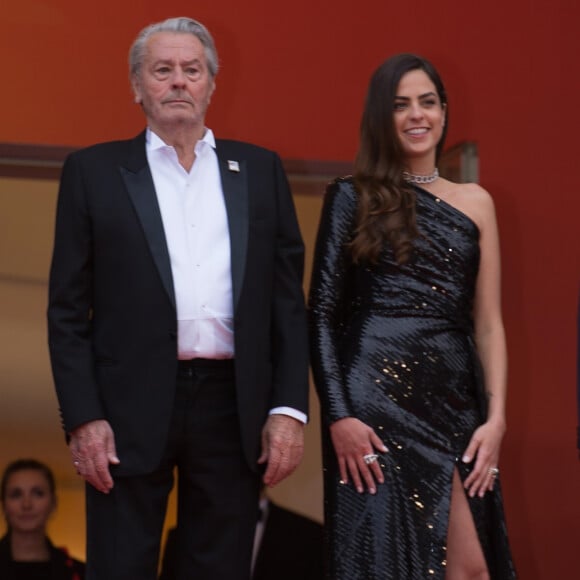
(393, 346)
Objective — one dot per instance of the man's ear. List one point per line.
(136, 89)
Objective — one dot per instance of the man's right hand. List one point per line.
(92, 447)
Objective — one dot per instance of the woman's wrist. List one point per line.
(498, 421)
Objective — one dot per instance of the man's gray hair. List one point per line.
(181, 25)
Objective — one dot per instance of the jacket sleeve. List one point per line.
(329, 297)
(70, 302)
(289, 323)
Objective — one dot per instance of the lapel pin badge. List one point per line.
(234, 166)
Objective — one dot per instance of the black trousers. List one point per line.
(217, 493)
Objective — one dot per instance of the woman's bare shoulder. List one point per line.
(474, 192)
(472, 199)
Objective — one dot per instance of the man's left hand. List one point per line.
(282, 447)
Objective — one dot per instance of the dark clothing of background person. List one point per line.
(60, 567)
(290, 548)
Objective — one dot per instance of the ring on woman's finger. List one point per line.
(370, 458)
(494, 471)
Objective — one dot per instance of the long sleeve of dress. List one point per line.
(330, 296)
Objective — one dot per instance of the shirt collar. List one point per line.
(154, 142)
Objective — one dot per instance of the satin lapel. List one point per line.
(235, 187)
(139, 183)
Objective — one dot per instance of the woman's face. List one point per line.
(419, 116)
(28, 502)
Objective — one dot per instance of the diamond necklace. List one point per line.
(415, 178)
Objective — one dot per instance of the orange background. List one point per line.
(293, 78)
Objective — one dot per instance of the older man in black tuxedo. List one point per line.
(177, 325)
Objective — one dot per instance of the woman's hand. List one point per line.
(355, 444)
(484, 447)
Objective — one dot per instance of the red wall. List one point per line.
(293, 78)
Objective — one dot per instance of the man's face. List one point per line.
(174, 85)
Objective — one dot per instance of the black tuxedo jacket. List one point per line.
(112, 315)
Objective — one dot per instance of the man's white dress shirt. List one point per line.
(196, 229)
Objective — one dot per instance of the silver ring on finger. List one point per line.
(370, 458)
(494, 471)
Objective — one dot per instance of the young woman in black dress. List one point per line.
(408, 350)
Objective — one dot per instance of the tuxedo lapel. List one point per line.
(234, 175)
(139, 183)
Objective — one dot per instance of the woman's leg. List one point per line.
(465, 559)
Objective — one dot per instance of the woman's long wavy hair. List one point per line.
(386, 203)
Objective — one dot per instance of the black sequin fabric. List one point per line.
(393, 346)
